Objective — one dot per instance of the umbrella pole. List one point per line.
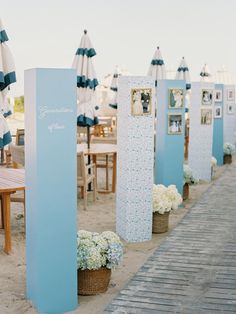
(89, 160)
(88, 136)
(2, 156)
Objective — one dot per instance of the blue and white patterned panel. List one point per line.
(229, 118)
(135, 137)
(200, 136)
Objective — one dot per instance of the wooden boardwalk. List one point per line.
(194, 270)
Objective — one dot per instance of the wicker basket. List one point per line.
(227, 159)
(186, 191)
(92, 282)
(160, 222)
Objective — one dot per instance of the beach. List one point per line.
(99, 216)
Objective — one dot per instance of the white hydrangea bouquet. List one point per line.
(213, 166)
(188, 176)
(213, 161)
(96, 250)
(229, 149)
(165, 198)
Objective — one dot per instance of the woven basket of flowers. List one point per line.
(97, 254)
(165, 199)
(92, 282)
(189, 179)
(160, 222)
(229, 150)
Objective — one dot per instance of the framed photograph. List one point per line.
(218, 112)
(175, 123)
(230, 108)
(207, 97)
(206, 116)
(176, 98)
(230, 94)
(218, 95)
(141, 101)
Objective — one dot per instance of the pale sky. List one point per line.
(47, 33)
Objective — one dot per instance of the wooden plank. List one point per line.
(131, 310)
(143, 305)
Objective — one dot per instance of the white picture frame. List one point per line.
(230, 94)
(218, 112)
(218, 95)
(230, 108)
(175, 123)
(207, 97)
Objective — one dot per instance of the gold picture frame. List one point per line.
(175, 124)
(207, 97)
(141, 101)
(206, 116)
(175, 98)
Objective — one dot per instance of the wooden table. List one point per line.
(11, 180)
(102, 149)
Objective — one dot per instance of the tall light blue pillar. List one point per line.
(229, 115)
(218, 127)
(169, 156)
(51, 202)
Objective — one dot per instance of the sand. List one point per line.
(99, 216)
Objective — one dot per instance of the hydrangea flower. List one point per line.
(165, 199)
(229, 149)
(213, 161)
(188, 176)
(114, 255)
(96, 250)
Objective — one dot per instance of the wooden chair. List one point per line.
(20, 137)
(18, 161)
(104, 161)
(17, 155)
(81, 134)
(19, 141)
(86, 174)
(108, 125)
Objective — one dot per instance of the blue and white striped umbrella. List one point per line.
(7, 71)
(86, 82)
(183, 73)
(5, 135)
(114, 88)
(157, 68)
(205, 74)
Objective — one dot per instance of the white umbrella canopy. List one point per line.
(5, 135)
(223, 76)
(114, 88)
(86, 82)
(183, 73)
(7, 71)
(205, 74)
(157, 67)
